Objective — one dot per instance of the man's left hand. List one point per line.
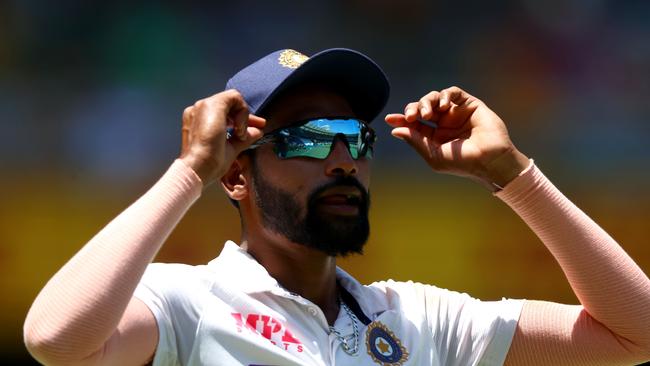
(470, 139)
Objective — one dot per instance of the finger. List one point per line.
(187, 116)
(396, 120)
(412, 111)
(251, 121)
(443, 103)
(456, 96)
(458, 106)
(236, 111)
(399, 120)
(415, 139)
(232, 101)
(233, 97)
(433, 101)
(186, 125)
(240, 122)
(426, 109)
(409, 135)
(252, 134)
(256, 121)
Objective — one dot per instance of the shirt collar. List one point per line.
(243, 271)
(250, 277)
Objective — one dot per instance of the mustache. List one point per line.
(341, 181)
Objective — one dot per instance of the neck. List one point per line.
(299, 269)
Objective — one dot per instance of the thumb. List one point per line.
(252, 134)
(414, 138)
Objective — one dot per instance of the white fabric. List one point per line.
(231, 312)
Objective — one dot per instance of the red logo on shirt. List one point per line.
(268, 328)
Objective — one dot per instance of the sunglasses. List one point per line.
(314, 138)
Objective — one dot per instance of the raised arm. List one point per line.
(612, 326)
(86, 313)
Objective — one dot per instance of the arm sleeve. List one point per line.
(613, 290)
(80, 307)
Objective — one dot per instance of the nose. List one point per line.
(339, 161)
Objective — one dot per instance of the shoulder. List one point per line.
(170, 270)
(415, 291)
(175, 280)
(439, 303)
(416, 300)
(174, 273)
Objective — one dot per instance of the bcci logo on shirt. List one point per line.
(384, 347)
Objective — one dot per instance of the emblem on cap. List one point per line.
(292, 59)
(383, 346)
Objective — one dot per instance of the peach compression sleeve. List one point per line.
(80, 307)
(613, 324)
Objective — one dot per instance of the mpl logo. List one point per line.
(270, 329)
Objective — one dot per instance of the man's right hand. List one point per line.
(204, 147)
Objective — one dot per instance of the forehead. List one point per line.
(304, 103)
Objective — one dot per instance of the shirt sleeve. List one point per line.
(466, 331)
(469, 331)
(164, 289)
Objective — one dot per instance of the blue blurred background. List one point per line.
(91, 96)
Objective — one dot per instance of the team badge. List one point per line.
(383, 346)
(292, 59)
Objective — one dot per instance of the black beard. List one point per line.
(334, 235)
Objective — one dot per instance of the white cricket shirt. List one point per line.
(232, 312)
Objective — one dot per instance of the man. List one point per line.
(299, 177)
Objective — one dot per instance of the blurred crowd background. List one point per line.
(91, 95)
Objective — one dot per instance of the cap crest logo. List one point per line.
(292, 59)
(383, 346)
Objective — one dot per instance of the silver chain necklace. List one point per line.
(354, 349)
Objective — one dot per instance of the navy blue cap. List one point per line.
(349, 73)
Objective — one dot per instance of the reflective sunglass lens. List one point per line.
(315, 138)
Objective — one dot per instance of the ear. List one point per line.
(234, 182)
